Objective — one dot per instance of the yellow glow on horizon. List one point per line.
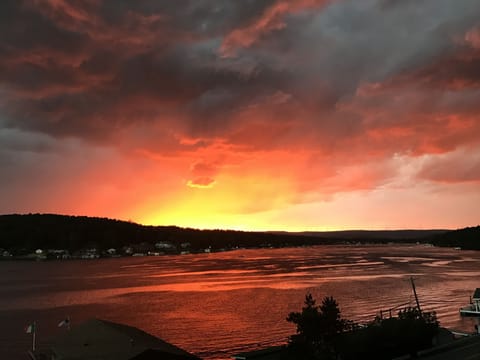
(244, 203)
(242, 222)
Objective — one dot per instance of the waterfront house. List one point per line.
(164, 245)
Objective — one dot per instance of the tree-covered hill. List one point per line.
(24, 233)
(467, 238)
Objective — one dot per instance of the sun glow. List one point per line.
(251, 119)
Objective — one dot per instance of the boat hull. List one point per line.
(469, 312)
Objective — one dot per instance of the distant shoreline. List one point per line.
(32, 258)
(60, 237)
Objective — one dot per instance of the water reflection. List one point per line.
(216, 304)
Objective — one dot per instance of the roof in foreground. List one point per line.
(466, 348)
(98, 339)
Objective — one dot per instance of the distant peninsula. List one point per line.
(61, 236)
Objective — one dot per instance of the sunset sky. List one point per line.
(243, 114)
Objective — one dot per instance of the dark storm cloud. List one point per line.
(198, 16)
(30, 77)
(89, 69)
(146, 87)
(22, 27)
(459, 70)
(97, 90)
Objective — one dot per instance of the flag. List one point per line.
(30, 329)
(65, 322)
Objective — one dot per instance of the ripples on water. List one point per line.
(221, 303)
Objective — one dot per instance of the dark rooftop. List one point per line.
(98, 339)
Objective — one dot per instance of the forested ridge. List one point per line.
(467, 238)
(24, 233)
(32, 231)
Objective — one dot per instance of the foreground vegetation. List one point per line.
(323, 334)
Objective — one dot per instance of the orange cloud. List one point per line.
(201, 182)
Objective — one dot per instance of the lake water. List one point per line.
(219, 304)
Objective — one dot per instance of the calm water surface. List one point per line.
(215, 305)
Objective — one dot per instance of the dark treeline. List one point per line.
(23, 233)
(29, 232)
(467, 238)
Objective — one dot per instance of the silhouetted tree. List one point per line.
(317, 329)
(409, 332)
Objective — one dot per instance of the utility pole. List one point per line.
(415, 294)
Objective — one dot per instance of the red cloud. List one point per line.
(271, 20)
(201, 182)
(203, 174)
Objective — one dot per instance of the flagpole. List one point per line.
(33, 335)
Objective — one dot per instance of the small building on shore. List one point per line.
(100, 339)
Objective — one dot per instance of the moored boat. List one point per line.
(474, 308)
